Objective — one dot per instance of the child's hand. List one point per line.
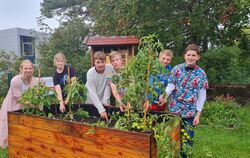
(62, 107)
(161, 100)
(104, 115)
(146, 105)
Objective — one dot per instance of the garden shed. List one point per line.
(126, 45)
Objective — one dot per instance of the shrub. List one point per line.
(9, 63)
(224, 66)
(222, 112)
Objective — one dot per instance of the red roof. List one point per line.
(112, 40)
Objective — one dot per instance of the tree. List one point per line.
(68, 39)
(177, 23)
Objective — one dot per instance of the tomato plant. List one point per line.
(36, 98)
(76, 94)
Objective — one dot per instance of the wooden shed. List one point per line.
(126, 45)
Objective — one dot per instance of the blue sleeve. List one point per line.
(169, 67)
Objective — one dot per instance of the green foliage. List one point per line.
(76, 94)
(9, 63)
(221, 113)
(166, 147)
(52, 8)
(176, 22)
(210, 141)
(68, 39)
(36, 98)
(131, 121)
(134, 78)
(224, 66)
(4, 153)
(80, 112)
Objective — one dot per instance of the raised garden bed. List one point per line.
(35, 136)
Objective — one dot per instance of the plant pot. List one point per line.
(35, 136)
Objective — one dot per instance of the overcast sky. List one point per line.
(21, 13)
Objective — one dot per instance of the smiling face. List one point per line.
(116, 61)
(27, 69)
(165, 59)
(191, 57)
(59, 63)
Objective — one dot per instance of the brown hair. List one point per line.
(59, 55)
(167, 52)
(99, 55)
(113, 54)
(23, 63)
(193, 47)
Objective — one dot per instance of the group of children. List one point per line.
(186, 83)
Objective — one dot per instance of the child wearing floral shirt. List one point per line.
(187, 84)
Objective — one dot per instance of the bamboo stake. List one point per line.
(69, 80)
(68, 74)
(147, 87)
(126, 58)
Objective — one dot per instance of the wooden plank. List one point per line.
(16, 152)
(48, 150)
(135, 140)
(69, 143)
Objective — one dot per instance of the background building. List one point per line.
(23, 42)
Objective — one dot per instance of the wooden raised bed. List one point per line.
(41, 137)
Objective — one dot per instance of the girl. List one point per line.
(18, 85)
(60, 78)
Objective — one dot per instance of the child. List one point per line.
(18, 85)
(60, 78)
(116, 61)
(187, 84)
(97, 85)
(165, 58)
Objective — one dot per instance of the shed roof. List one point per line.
(111, 40)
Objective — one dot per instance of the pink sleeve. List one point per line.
(16, 88)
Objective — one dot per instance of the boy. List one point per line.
(165, 58)
(98, 88)
(117, 63)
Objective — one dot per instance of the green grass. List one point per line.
(224, 143)
(3, 153)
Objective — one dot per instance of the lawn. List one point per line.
(224, 143)
(217, 142)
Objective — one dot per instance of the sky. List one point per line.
(22, 14)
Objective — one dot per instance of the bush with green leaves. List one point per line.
(9, 63)
(224, 66)
(67, 39)
(222, 113)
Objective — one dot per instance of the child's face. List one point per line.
(27, 70)
(116, 61)
(60, 63)
(100, 65)
(165, 59)
(191, 57)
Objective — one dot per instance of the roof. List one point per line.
(111, 40)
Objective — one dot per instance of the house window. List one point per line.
(27, 46)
